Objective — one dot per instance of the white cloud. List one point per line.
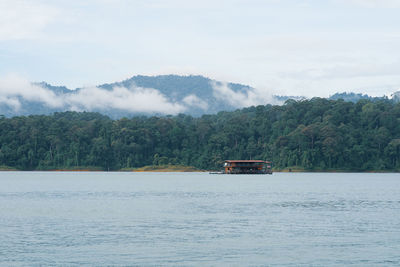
(11, 102)
(272, 44)
(396, 95)
(195, 101)
(252, 97)
(13, 86)
(21, 19)
(135, 99)
(374, 3)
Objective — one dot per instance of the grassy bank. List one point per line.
(7, 168)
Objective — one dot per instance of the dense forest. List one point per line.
(316, 134)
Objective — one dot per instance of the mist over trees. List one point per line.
(316, 134)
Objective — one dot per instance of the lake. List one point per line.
(284, 219)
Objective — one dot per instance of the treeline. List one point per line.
(316, 134)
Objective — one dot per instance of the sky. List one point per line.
(285, 47)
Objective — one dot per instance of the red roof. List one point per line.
(248, 161)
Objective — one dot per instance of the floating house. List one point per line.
(247, 167)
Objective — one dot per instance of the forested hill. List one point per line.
(316, 134)
(145, 95)
(138, 95)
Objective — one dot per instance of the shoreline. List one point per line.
(182, 168)
(200, 171)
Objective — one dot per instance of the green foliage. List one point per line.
(316, 134)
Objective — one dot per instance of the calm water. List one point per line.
(289, 219)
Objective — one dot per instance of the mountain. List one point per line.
(139, 95)
(396, 96)
(353, 97)
(197, 92)
(143, 95)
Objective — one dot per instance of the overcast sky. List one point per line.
(288, 47)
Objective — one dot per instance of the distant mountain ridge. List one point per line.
(146, 95)
(168, 94)
(353, 97)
